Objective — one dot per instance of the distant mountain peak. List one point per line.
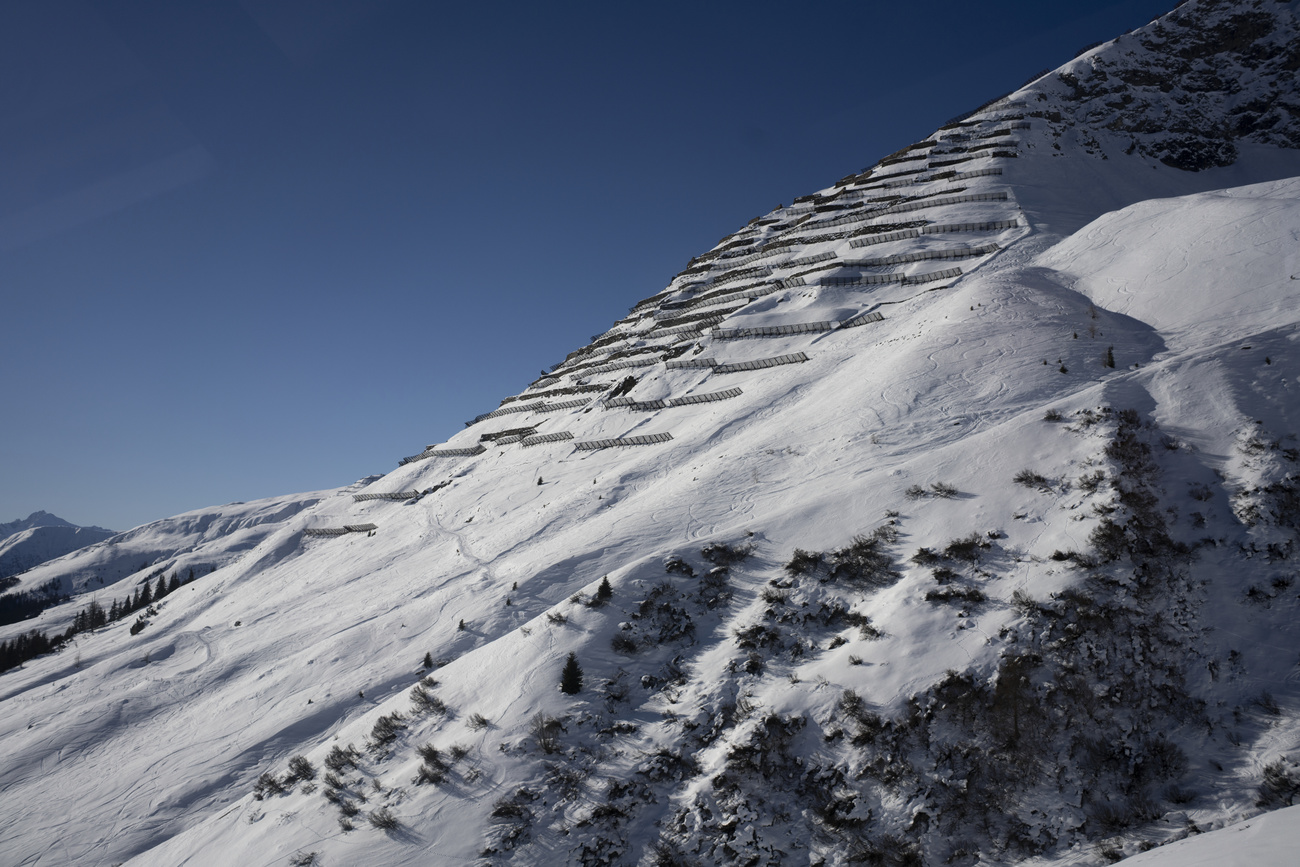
(40, 518)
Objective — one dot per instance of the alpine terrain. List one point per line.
(41, 536)
(947, 515)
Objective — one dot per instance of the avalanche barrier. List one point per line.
(339, 531)
(922, 255)
(793, 358)
(771, 330)
(395, 495)
(558, 436)
(644, 440)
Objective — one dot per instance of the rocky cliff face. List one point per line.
(1188, 88)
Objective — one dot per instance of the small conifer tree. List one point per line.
(604, 592)
(428, 660)
(1110, 356)
(571, 677)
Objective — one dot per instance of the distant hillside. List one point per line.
(40, 537)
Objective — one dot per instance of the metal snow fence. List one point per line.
(977, 173)
(435, 452)
(712, 396)
(691, 318)
(558, 436)
(647, 302)
(762, 363)
(339, 531)
(395, 495)
(993, 226)
(844, 221)
(568, 389)
(643, 440)
(619, 365)
(862, 191)
(889, 177)
(953, 162)
(923, 255)
(686, 400)
(879, 279)
(505, 410)
(568, 404)
(508, 439)
(676, 363)
(772, 330)
(749, 293)
(633, 403)
(807, 260)
(742, 274)
(945, 200)
(545, 382)
(901, 235)
(863, 319)
(681, 329)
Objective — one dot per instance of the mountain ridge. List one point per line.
(28, 542)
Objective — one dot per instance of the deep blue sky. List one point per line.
(252, 248)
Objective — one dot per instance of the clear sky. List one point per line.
(253, 247)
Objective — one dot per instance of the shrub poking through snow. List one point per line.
(680, 566)
(300, 769)
(386, 729)
(267, 784)
(383, 819)
(862, 561)
(804, 562)
(1280, 786)
(433, 769)
(722, 554)
(1031, 479)
(967, 549)
(546, 732)
(966, 595)
(339, 759)
(426, 702)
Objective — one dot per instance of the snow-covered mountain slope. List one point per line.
(1273, 838)
(190, 543)
(947, 516)
(40, 537)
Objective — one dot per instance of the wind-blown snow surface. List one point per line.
(718, 720)
(1273, 838)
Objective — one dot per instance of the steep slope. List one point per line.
(900, 569)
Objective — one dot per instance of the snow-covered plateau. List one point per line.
(946, 516)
